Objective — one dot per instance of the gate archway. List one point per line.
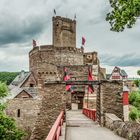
(98, 102)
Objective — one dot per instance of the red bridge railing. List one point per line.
(55, 131)
(90, 113)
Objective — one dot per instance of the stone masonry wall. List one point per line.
(111, 99)
(128, 130)
(27, 109)
(52, 103)
(30, 80)
(64, 32)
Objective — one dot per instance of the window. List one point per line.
(31, 85)
(18, 113)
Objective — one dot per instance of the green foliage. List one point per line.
(137, 102)
(138, 72)
(124, 14)
(3, 90)
(134, 100)
(8, 77)
(134, 114)
(8, 129)
(137, 83)
(134, 97)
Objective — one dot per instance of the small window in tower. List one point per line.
(57, 24)
(50, 72)
(18, 113)
(31, 85)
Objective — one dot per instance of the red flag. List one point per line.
(90, 87)
(34, 43)
(83, 41)
(66, 78)
(89, 75)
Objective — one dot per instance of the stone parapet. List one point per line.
(128, 130)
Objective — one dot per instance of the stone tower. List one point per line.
(64, 32)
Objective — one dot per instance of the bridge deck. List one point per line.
(79, 127)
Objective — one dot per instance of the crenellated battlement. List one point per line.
(51, 48)
(64, 19)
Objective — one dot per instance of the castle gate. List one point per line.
(108, 97)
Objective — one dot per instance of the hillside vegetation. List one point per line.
(8, 77)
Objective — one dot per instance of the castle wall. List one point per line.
(53, 103)
(68, 56)
(24, 111)
(76, 72)
(91, 58)
(44, 61)
(110, 99)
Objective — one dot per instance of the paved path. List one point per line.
(79, 127)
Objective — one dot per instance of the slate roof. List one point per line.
(15, 87)
(19, 79)
(123, 73)
(108, 76)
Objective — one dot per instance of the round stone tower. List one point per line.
(44, 59)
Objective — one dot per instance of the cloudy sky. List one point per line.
(24, 20)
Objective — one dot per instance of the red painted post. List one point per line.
(125, 98)
(125, 103)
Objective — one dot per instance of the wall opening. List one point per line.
(18, 113)
(31, 85)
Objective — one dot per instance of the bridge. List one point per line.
(58, 122)
(80, 125)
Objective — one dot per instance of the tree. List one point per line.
(138, 72)
(8, 129)
(8, 77)
(124, 14)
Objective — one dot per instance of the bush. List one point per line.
(137, 83)
(134, 97)
(137, 102)
(134, 114)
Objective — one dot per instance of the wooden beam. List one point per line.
(82, 82)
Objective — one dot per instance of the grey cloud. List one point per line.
(124, 60)
(20, 24)
(16, 30)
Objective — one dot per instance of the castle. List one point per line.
(46, 64)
